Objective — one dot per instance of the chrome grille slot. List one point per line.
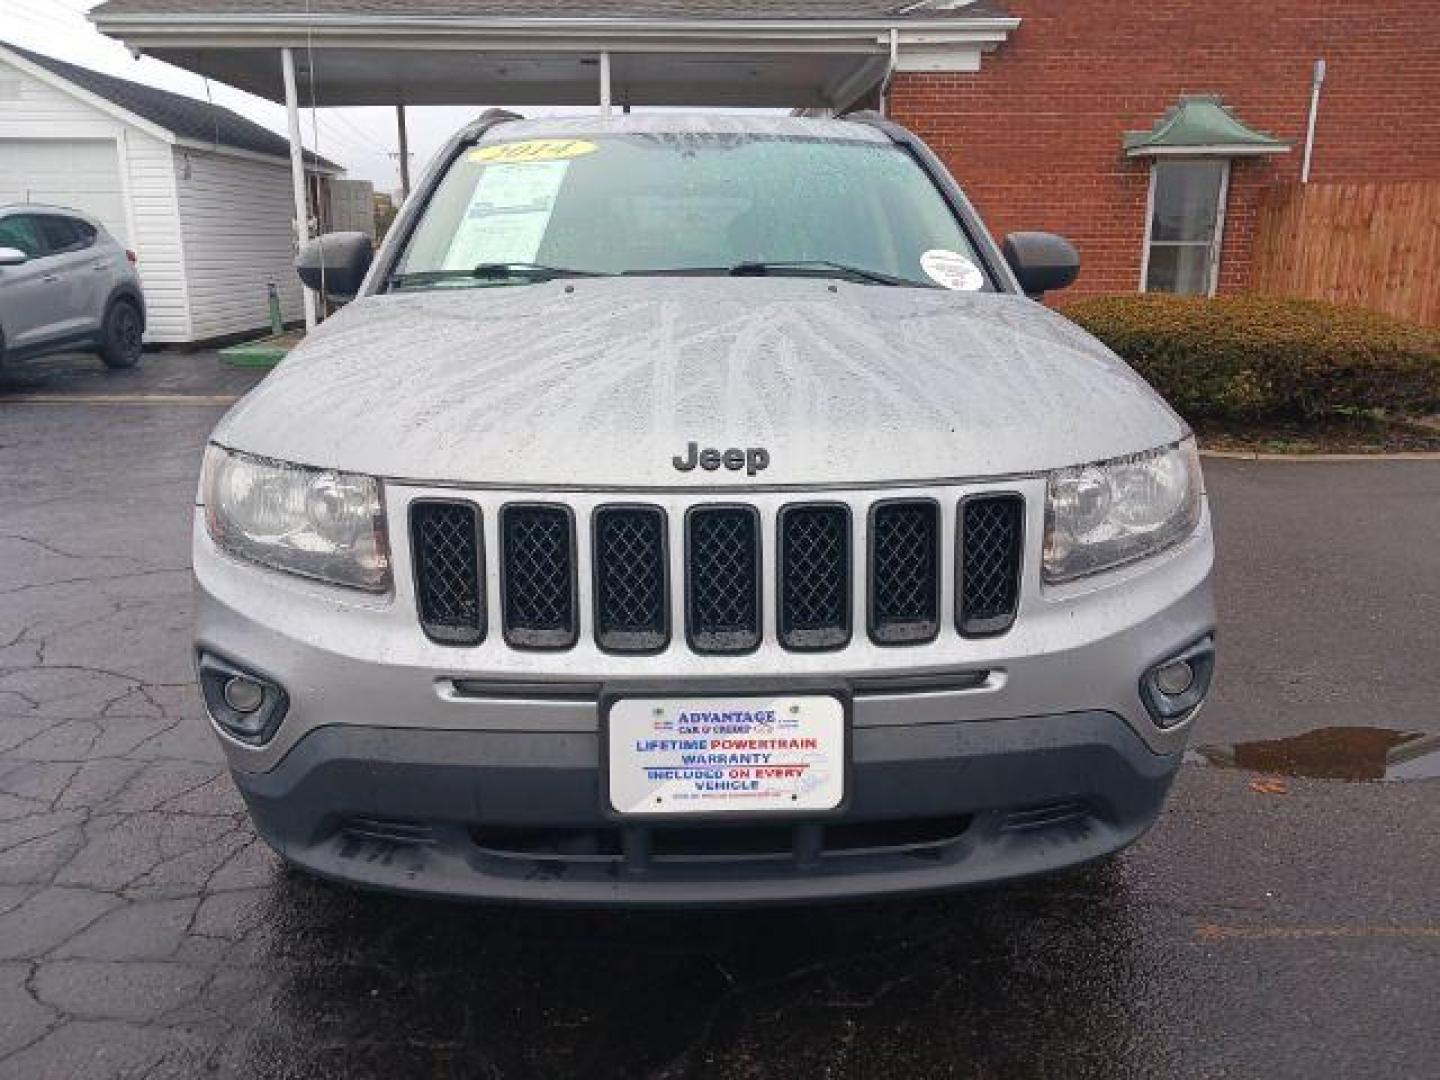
(632, 602)
(449, 571)
(537, 546)
(814, 577)
(987, 572)
(722, 557)
(904, 571)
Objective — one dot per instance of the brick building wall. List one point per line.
(1035, 136)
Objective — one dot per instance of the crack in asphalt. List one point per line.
(133, 575)
(54, 550)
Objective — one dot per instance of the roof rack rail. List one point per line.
(486, 120)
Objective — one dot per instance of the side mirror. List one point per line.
(1042, 261)
(12, 257)
(335, 264)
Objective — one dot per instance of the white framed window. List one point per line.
(1185, 226)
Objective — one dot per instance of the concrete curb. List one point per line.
(1255, 455)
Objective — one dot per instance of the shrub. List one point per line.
(1265, 358)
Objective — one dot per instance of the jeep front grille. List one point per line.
(449, 571)
(537, 585)
(722, 560)
(632, 603)
(627, 564)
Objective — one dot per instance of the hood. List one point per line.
(602, 382)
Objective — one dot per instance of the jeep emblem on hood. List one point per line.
(753, 460)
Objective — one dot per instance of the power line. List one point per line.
(49, 18)
(345, 122)
(40, 15)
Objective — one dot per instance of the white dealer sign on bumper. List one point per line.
(727, 755)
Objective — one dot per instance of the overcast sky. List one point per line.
(361, 139)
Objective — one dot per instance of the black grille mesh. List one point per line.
(814, 577)
(988, 581)
(630, 565)
(723, 598)
(539, 584)
(904, 574)
(631, 601)
(449, 571)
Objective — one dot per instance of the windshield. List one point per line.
(530, 210)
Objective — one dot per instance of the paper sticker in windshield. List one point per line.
(507, 216)
(531, 150)
(951, 270)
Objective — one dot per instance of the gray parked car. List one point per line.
(698, 510)
(66, 285)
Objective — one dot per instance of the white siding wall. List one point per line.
(158, 246)
(32, 109)
(236, 215)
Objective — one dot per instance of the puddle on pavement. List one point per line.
(1334, 753)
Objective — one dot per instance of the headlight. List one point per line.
(1101, 515)
(322, 524)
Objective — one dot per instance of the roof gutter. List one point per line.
(205, 148)
(531, 22)
(861, 35)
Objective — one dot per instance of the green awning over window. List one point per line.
(1201, 126)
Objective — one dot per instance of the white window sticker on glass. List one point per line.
(508, 214)
(951, 270)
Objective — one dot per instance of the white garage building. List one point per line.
(201, 195)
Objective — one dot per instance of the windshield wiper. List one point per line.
(526, 271)
(783, 267)
(819, 268)
(516, 271)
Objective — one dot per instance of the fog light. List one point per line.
(1174, 678)
(1174, 688)
(245, 705)
(244, 695)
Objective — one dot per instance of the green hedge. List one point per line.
(1262, 358)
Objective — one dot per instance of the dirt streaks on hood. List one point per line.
(602, 382)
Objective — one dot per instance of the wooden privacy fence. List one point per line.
(1376, 245)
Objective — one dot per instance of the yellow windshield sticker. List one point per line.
(521, 153)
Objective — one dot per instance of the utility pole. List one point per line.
(404, 154)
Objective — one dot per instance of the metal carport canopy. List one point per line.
(792, 54)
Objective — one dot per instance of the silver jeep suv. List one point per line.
(66, 285)
(698, 510)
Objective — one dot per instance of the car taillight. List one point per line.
(130, 255)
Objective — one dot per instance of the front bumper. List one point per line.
(402, 764)
(516, 816)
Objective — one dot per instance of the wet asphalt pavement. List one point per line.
(1268, 926)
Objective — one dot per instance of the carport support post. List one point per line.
(605, 85)
(297, 172)
(404, 152)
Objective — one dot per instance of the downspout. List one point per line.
(890, 71)
(1316, 81)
